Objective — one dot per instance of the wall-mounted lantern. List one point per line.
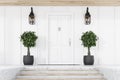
(87, 17)
(31, 17)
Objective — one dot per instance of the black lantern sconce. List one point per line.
(31, 17)
(87, 17)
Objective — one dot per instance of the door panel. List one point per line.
(60, 39)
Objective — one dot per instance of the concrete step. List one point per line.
(63, 79)
(60, 73)
(58, 77)
(60, 67)
(52, 74)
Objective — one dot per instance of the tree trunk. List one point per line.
(89, 51)
(28, 52)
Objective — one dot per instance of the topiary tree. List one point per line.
(28, 39)
(88, 40)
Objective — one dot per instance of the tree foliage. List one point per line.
(89, 39)
(29, 39)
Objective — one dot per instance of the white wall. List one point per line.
(105, 23)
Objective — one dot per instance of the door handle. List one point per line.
(69, 41)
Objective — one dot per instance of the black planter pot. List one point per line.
(88, 60)
(28, 60)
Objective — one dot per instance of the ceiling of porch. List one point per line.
(61, 2)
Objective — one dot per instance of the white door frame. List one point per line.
(72, 36)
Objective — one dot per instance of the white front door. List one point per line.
(60, 39)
